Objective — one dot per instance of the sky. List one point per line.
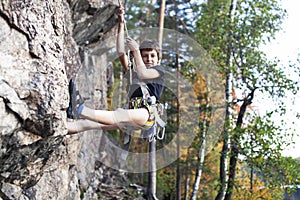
(286, 47)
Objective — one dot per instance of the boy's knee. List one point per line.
(134, 118)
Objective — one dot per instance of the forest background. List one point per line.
(248, 160)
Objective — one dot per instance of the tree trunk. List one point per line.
(152, 171)
(201, 154)
(178, 170)
(234, 145)
(152, 145)
(187, 174)
(226, 136)
(226, 141)
(161, 22)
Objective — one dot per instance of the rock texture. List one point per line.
(42, 45)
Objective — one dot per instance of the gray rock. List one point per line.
(42, 45)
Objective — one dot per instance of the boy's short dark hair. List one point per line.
(150, 45)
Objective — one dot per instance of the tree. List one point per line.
(234, 42)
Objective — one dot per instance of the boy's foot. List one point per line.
(75, 101)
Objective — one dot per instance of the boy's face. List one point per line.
(150, 57)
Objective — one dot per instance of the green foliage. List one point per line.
(141, 14)
(179, 15)
(261, 145)
(182, 15)
(212, 30)
(165, 182)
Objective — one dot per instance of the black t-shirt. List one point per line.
(155, 86)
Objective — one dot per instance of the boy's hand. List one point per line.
(121, 13)
(132, 44)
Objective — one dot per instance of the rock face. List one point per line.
(42, 45)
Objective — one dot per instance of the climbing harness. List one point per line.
(155, 124)
(156, 110)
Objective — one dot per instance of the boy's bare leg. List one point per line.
(81, 125)
(136, 117)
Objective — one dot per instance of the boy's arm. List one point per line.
(142, 71)
(120, 40)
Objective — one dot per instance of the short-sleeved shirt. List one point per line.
(155, 86)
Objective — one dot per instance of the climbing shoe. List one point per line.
(76, 102)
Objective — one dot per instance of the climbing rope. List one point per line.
(125, 26)
(130, 64)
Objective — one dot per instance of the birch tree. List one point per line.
(204, 109)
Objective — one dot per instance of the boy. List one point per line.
(146, 89)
